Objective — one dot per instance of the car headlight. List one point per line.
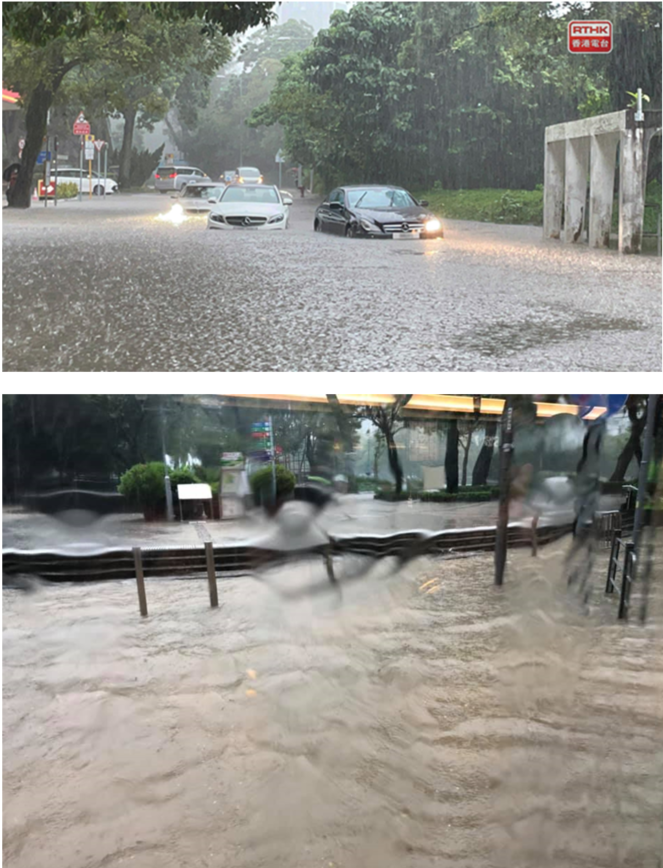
(276, 218)
(177, 210)
(367, 225)
(433, 225)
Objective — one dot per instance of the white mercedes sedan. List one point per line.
(250, 206)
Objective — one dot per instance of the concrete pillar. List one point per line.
(575, 187)
(603, 155)
(553, 191)
(631, 190)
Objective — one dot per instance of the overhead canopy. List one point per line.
(425, 403)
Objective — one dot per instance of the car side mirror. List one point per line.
(212, 201)
(336, 206)
(424, 203)
(287, 200)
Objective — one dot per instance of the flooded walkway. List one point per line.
(420, 719)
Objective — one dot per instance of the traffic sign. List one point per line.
(279, 157)
(81, 126)
(99, 144)
(42, 156)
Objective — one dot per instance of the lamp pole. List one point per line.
(170, 514)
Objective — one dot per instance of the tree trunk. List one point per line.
(451, 457)
(632, 447)
(394, 461)
(485, 456)
(125, 152)
(466, 455)
(35, 130)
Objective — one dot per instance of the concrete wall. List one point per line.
(584, 152)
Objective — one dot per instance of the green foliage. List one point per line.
(453, 95)
(143, 163)
(39, 23)
(67, 190)
(218, 134)
(182, 476)
(261, 484)
(488, 206)
(143, 486)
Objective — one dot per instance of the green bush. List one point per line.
(261, 484)
(67, 190)
(462, 496)
(142, 485)
(487, 205)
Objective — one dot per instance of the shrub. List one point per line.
(142, 485)
(67, 190)
(261, 484)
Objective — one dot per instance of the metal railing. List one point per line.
(619, 545)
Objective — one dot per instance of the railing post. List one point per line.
(211, 575)
(140, 581)
(627, 573)
(329, 563)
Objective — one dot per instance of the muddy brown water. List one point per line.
(415, 719)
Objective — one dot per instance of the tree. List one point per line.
(485, 456)
(451, 456)
(386, 418)
(636, 408)
(219, 135)
(43, 42)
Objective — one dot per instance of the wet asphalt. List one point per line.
(106, 286)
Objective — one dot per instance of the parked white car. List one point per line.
(72, 175)
(250, 206)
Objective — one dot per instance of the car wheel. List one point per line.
(163, 192)
(97, 190)
(350, 231)
(317, 226)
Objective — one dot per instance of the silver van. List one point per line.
(172, 178)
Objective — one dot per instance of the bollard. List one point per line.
(211, 575)
(329, 563)
(535, 540)
(140, 581)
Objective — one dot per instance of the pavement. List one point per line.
(352, 514)
(106, 286)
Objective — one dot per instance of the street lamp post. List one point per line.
(170, 513)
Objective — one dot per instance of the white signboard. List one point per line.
(279, 157)
(194, 491)
(89, 150)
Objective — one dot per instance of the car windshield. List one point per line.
(203, 192)
(384, 197)
(264, 195)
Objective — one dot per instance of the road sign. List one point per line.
(279, 157)
(81, 126)
(99, 144)
(89, 150)
(42, 156)
(50, 190)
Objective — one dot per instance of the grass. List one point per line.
(515, 206)
(487, 205)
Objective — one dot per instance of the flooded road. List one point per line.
(96, 286)
(420, 719)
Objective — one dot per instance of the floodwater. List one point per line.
(416, 719)
(96, 286)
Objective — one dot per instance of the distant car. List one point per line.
(248, 175)
(195, 197)
(250, 206)
(376, 212)
(172, 178)
(72, 175)
(228, 177)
